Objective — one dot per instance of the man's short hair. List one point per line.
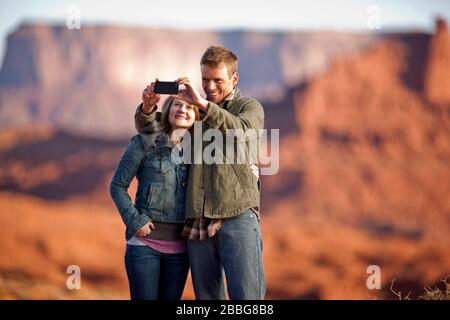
(215, 56)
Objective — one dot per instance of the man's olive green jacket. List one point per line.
(220, 190)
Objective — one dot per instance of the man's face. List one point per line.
(217, 82)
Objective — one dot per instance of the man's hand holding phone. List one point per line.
(152, 94)
(190, 94)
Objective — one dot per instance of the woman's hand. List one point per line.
(190, 95)
(255, 170)
(145, 230)
(149, 98)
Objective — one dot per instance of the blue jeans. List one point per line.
(153, 275)
(235, 250)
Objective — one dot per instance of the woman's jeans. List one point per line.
(153, 275)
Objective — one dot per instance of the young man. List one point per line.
(222, 200)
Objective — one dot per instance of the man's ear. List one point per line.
(235, 78)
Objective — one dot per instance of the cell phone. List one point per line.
(166, 87)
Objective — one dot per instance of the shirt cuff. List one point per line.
(140, 111)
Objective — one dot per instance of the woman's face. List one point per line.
(181, 115)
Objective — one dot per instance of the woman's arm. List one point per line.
(146, 123)
(126, 170)
(145, 118)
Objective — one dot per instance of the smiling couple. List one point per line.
(199, 216)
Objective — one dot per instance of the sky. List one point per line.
(337, 15)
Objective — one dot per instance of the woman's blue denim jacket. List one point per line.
(161, 189)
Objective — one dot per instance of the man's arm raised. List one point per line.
(250, 117)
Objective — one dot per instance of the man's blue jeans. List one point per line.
(153, 275)
(235, 249)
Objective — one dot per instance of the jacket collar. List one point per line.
(234, 95)
(156, 140)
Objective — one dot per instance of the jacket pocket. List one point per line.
(141, 196)
(155, 199)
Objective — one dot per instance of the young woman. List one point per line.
(156, 257)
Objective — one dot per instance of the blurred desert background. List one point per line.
(364, 177)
